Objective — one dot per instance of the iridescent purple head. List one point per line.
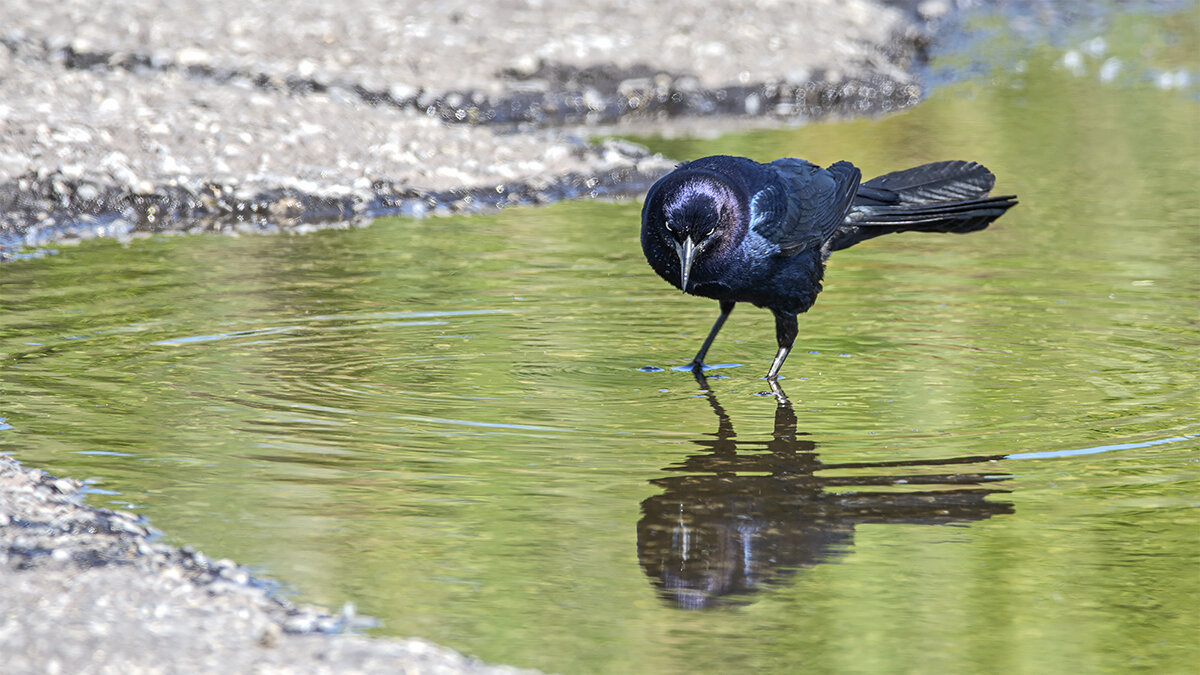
(696, 213)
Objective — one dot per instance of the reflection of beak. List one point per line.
(687, 255)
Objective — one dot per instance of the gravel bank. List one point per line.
(117, 118)
(89, 590)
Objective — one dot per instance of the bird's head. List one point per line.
(698, 214)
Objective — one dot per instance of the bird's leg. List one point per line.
(698, 362)
(785, 334)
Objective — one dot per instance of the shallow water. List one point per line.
(989, 461)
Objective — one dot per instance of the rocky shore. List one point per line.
(120, 118)
(137, 117)
(86, 590)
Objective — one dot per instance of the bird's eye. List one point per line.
(709, 233)
(668, 226)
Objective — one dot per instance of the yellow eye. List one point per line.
(668, 226)
(709, 233)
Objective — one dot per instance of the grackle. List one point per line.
(734, 230)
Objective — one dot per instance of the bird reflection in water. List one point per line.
(746, 514)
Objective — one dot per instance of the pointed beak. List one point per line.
(687, 255)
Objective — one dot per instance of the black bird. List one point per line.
(734, 230)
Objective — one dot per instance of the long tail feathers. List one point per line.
(936, 182)
(960, 216)
(939, 197)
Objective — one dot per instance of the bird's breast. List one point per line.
(712, 289)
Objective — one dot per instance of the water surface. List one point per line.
(988, 462)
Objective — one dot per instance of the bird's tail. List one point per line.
(939, 197)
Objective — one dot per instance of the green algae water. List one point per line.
(470, 428)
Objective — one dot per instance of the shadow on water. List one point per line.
(747, 514)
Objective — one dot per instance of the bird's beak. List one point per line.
(687, 255)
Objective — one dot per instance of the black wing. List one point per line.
(807, 204)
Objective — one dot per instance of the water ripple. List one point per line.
(1099, 449)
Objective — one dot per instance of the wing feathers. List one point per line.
(817, 201)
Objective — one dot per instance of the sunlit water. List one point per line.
(989, 462)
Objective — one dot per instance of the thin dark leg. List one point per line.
(698, 362)
(785, 334)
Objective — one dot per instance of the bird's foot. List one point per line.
(692, 366)
(777, 391)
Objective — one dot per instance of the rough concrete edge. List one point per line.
(37, 210)
(567, 95)
(116, 537)
(41, 210)
(44, 522)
